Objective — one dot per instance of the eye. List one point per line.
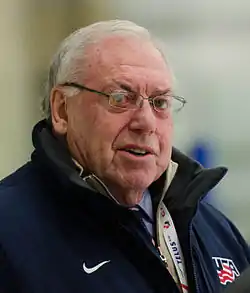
(121, 99)
(162, 103)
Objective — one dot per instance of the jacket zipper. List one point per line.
(157, 244)
(193, 264)
(163, 258)
(157, 248)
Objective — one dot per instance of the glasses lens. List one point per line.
(122, 100)
(177, 104)
(162, 103)
(118, 99)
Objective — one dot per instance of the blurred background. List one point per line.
(207, 45)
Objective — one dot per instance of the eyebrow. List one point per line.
(128, 88)
(124, 86)
(159, 92)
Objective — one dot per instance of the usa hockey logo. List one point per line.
(226, 270)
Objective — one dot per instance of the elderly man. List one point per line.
(106, 204)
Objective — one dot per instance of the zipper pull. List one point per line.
(163, 258)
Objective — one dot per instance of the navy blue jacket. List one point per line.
(52, 222)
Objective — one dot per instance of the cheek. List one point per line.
(94, 131)
(166, 143)
(81, 132)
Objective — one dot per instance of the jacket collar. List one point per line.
(189, 180)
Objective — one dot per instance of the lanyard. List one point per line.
(173, 244)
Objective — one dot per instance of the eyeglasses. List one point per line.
(128, 100)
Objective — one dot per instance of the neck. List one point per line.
(127, 197)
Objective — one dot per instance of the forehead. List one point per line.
(127, 58)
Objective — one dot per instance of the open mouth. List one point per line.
(136, 152)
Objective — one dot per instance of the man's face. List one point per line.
(100, 137)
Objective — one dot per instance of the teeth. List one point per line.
(137, 151)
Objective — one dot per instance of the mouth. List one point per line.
(136, 151)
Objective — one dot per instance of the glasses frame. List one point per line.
(82, 87)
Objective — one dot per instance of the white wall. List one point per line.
(15, 99)
(30, 32)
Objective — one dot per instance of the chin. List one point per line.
(137, 181)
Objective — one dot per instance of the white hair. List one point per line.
(65, 65)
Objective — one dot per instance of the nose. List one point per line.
(143, 118)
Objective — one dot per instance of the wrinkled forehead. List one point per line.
(127, 58)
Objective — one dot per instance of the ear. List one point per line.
(58, 108)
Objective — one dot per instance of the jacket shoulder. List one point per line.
(219, 226)
(19, 198)
(213, 216)
(17, 184)
(17, 178)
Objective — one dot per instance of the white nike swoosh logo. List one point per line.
(95, 268)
